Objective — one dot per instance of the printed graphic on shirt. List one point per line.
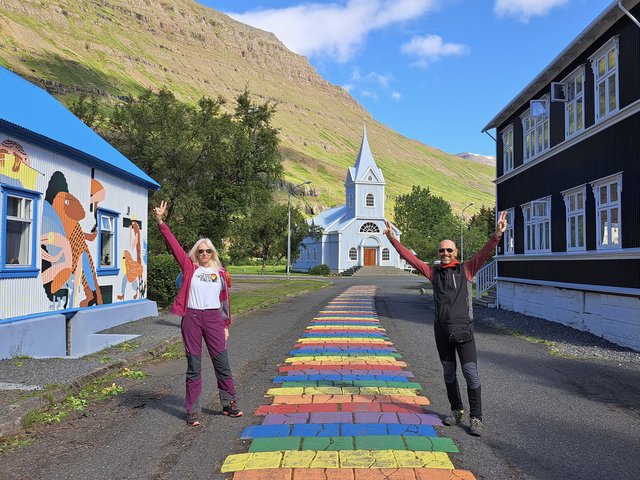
(206, 277)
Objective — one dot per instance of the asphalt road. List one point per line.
(546, 417)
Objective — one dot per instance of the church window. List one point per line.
(370, 202)
(385, 254)
(353, 254)
(350, 201)
(369, 227)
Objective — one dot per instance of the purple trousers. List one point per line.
(207, 324)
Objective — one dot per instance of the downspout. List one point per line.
(628, 13)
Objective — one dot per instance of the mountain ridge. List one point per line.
(116, 48)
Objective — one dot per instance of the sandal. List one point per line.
(193, 420)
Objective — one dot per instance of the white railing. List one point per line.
(486, 278)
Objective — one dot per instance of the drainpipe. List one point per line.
(628, 13)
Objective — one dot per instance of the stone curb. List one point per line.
(11, 419)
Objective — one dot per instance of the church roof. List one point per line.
(31, 113)
(365, 164)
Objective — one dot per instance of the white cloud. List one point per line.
(382, 80)
(396, 95)
(333, 30)
(431, 48)
(348, 87)
(525, 9)
(370, 94)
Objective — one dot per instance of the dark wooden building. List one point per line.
(568, 174)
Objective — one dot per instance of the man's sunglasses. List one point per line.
(201, 251)
(448, 250)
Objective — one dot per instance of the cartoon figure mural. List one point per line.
(66, 256)
(133, 269)
(15, 164)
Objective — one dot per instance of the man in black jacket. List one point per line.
(453, 325)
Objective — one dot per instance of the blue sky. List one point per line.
(434, 70)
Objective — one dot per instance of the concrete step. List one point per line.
(380, 272)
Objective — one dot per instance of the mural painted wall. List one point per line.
(91, 244)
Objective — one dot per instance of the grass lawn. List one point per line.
(255, 269)
(250, 295)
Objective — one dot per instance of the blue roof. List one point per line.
(30, 112)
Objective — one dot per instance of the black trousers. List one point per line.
(467, 354)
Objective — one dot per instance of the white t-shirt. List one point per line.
(205, 289)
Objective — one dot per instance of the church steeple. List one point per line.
(365, 165)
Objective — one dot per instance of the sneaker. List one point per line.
(232, 410)
(454, 418)
(475, 427)
(193, 419)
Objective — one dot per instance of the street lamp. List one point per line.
(462, 233)
(289, 226)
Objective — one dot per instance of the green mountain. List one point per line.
(116, 47)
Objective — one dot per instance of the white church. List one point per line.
(352, 233)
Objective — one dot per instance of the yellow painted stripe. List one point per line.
(340, 358)
(409, 392)
(336, 459)
(376, 341)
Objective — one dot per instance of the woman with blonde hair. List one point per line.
(203, 303)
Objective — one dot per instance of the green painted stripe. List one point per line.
(373, 442)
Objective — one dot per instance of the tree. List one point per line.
(211, 165)
(263, 233)
(425, 220)
(481, 225)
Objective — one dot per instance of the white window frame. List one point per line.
(537, 226)
(370, 200)
(605, 77)
(107, 224)
(574, 103)
(509, 239)
(508, 162)
(27, 215)
(535, 133)
(574, 203)
(604, 210)
(353, 254)
(386, 255)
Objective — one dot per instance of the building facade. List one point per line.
(352, 234)
(568, 174)
(73, 232)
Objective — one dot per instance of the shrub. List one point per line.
(161, 278)
(322, 269)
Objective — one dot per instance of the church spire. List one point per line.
(365, 163)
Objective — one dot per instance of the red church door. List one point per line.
(370, 257)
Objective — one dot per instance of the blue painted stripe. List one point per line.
(336, 430)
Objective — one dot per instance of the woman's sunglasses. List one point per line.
(448, 250)
(201, 251)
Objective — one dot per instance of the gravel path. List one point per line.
(562, 340)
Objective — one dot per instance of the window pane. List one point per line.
(581, 231)
(614, 226)
(572, 203)
(572, 118)
(18, 243)
(602, 104)
(572, 232)
(106, 246)
(580, 124)
(612, 93)
(13, 206)
(613, 192)
(579, 84)
(612, 59)
(602, 68)
(603, 228)
(603, 195)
